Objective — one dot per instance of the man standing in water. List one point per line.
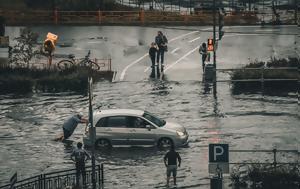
(172, 156)
(79, 156)
(161, 41)
(70, 125)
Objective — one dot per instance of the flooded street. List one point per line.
(28, 124)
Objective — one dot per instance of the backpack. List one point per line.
(165, 40)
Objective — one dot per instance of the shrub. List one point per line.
(48, 80)
(267, 86)
(261, 176)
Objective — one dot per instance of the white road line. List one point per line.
(194, 39)
(187, 54)
(146, 69)
(141, 58)
(232, 35)
(182, 36)
(128, 66)
(275, 30)
(173, 51)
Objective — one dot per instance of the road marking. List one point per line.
(182, 36)
(232, 35)
(146, 69)
(194, 39)
(128, 66)
(190, 52)
(173, 51)
(187, 54)
(141, 58)
(276, 30)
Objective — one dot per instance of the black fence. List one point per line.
(59, 180)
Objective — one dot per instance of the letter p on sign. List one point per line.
(218, 153)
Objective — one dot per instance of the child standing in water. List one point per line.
(152, 55)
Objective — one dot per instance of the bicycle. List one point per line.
(86, 62)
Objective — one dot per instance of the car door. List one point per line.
(115, 129)
(139, 134)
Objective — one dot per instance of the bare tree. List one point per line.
(23, 51)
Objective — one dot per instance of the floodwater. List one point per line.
(28, 123)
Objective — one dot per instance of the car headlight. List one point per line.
(179, 133)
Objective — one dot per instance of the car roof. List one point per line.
(115, 112)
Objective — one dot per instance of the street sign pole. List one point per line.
(92, 131)
(13, 180)
(214, 50)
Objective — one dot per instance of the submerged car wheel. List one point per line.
(102, 143)
(165, 143)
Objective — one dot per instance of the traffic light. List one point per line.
(210, 44)
(50, 42)
(221, 24)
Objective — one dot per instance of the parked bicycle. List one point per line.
(86, 62)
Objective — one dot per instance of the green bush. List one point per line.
(261, 176)
(22, 80)
(267, 86)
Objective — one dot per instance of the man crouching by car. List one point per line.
(70, 125)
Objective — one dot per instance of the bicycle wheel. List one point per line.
(94, 65)
(64, 64)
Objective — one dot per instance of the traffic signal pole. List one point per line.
(92, 131)
(214, 50)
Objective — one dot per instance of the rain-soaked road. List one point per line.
(29, 123)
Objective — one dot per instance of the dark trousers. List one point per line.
(203, 61)
(152, 61)
(160, 54)
(152, 66)
(80, 169)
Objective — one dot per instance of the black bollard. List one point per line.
(2, 26)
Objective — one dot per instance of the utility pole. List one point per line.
(214, 50)
(296, 12)
(92, 130)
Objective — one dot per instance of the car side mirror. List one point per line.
(149, 127)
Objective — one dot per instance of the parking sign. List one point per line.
(218, 158)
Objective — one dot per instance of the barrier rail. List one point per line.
(59, 179)
(41, 62)
(262, 76)
(120, 17)
(274, 152)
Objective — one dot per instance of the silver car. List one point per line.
(135, 127)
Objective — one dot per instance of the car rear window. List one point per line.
(116, 121)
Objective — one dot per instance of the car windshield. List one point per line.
(154, 119)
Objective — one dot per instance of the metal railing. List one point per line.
(262, 74)
(59, 179)
(275, 152)
(42, 63)
(116, 17)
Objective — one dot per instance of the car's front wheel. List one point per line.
(102, 144)
(165, 143)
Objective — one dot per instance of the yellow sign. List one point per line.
(50, 42)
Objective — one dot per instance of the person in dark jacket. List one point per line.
(161, 41)
(203, 52)
(152, 55)
(170, 161)
(79, 156)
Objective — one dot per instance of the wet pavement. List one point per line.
(29, 123)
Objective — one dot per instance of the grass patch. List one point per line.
(260, 176)
(25, 80)
(264, 71)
